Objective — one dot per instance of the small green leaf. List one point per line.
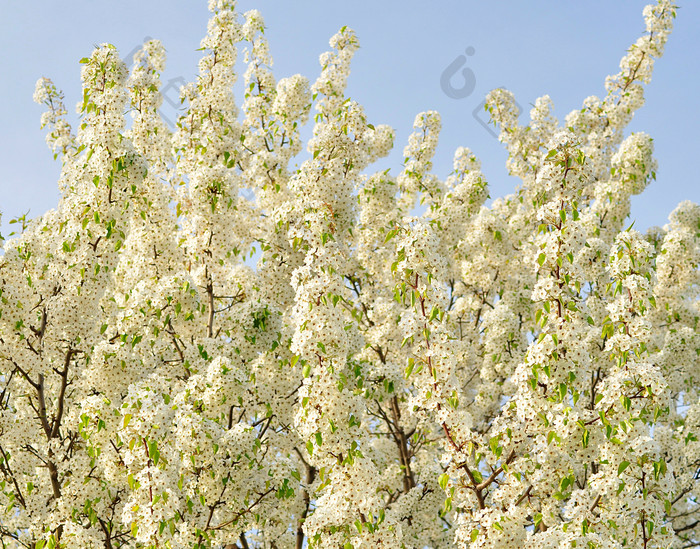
(623, 465)
(391, 234)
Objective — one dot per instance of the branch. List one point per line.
(56, 423)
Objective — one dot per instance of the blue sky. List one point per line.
(564, 49)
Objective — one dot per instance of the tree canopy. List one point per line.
(454, 375)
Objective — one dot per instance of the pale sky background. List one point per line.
(563, 49)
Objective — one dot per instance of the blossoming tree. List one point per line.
(524, 373)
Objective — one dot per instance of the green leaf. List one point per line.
(659, 468)
(626, 402)
(409, 368)
(493, 443)
(623, 465)
(153, 452)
